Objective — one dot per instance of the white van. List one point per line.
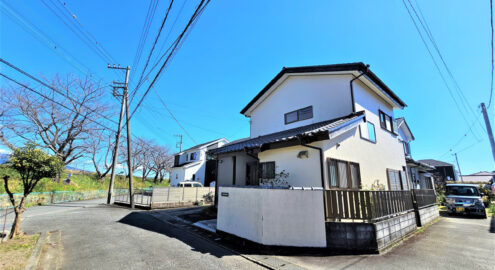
(189, 184)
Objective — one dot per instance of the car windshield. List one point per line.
(462, 191)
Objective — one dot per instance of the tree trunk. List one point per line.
(155, 180)
(16, 226)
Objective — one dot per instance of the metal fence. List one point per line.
(142, 197)
(424, 197)
(366, 205)
(41, 198)
(181, 194)
(162, 195)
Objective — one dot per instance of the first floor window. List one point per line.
(267, 170)
(343, 174)
(394, 179)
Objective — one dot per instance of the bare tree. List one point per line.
(101, 147)
(36, 119)
(144, 156)
(161, 162)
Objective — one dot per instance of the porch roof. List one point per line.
(290, 134)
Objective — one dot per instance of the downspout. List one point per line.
(352, 88)
(300, 138)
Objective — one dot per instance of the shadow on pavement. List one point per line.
(462, 216)
(145, 221)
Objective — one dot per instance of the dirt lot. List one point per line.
(15, 252)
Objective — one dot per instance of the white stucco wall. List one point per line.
(185, 173)
(273, 217)
(225, 168)
(303, 172)
(328, 94)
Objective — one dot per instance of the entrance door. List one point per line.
(252, 178)
(210, 172)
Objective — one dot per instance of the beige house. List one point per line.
(328, 126)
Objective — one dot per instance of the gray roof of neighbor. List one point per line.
(201, 145)
(436, 163)
(311, 129)
(359, 66)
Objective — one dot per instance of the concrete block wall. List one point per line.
(428, 214)
(394, 229)
(351, 236)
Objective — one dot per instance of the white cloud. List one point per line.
(5, 151)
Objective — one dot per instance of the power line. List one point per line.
(95, 41)
(438, 68)
(462, 138)
(144, 32)
(426, 28)
(45, 39)
(156, 40)
(53, 88)
(51, 99)
(199, 9)
(173, 116)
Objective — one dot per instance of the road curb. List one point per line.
(35, 255)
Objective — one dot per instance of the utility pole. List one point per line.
(125, 104)
(458, 167)
(488, 129)
(179, 144)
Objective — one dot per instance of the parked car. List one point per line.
(464, 199)
(189, 184)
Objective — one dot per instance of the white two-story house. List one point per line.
(193, 164)
(329, 126)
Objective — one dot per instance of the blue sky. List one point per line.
(237, 47)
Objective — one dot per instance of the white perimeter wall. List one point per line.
(279, 217)
(328, 94)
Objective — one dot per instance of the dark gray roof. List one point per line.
(359, 66)
(436, 163)
(308, 130)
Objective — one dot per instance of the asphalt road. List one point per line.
(96, 236)
(451, 243)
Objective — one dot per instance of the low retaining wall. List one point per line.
(393, 230)
(39, 198)
(369, 237)
(428, 214)
(164, 195)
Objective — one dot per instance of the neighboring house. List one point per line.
(419, 174)
(193, 164)
(443, 171)
(329, 126)
(479, 177)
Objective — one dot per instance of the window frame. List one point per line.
(349, 174)
(262, 171)
(361, 132)
(298, 115)
(386, 118)
(400, 180)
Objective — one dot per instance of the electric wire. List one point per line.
(438, 69)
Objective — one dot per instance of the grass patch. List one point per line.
(490, 211)
(83, 182)
(15, 253)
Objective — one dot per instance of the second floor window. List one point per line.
(387, 122)
(367, 131)
(299, 115)
(193, 156)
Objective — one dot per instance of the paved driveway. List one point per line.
(451, 243)
(95, 236)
